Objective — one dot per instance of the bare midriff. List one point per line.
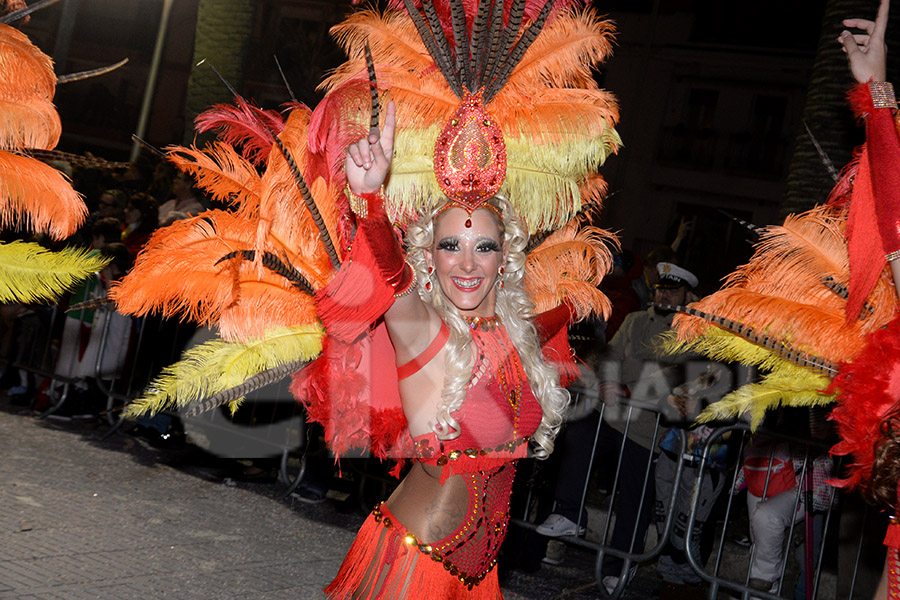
(429, 510)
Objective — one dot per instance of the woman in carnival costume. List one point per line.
(493, 131)
(859, 389)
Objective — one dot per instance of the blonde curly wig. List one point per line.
(515, 310)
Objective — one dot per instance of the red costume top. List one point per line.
(496, 420)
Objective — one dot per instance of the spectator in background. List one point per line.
(135, 178)
(161, 186)
(619, 288)
(645, 285)
(183, 202)
(635, 375)
(111, 205)
(106, 231)
(141, 219)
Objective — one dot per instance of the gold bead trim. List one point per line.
(425, 451)
(892, 255)
(411, 540)
(412, 283)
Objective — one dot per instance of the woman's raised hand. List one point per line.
(867, 51)
(369, 159)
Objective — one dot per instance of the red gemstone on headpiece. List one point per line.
(468, 222)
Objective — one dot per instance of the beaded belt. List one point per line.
(411, 540)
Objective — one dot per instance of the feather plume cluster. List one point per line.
(243, 270)
(793, 289)
(31, 193)
(558, 124)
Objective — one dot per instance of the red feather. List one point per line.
(868, 388)
(346, 390)
(244, 125)
(334, 125)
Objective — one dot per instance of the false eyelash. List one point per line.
(448, 244)
(489, 245)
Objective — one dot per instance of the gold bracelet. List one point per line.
(892, 255)
(412, 283)
(882, 94)
(358, 204)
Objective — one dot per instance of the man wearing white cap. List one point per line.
(635, 375)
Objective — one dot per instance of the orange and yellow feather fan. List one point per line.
(33, 195)
(790, 296)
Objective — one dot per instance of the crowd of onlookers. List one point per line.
(125, 206)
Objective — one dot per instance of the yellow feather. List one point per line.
(535, 173)
(217, 366)
(792, 388)
(784, 384)
(30, 273)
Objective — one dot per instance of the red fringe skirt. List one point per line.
(381, 564)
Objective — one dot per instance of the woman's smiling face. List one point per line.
(466, 260)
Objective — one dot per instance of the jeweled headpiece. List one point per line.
(470, 155)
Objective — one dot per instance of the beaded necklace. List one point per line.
(483, 323)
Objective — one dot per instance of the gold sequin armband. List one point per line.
(892, 255)
(882, 94)
(358, 204)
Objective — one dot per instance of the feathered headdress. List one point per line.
(34, 195)
(491, 96)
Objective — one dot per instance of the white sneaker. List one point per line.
(610, 582)
(558, 526)
(556, 553)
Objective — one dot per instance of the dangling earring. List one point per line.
(428, 285)
(500, 273)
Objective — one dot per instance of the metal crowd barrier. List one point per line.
(122, 354)
(726, 573)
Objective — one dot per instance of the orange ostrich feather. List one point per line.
(25, 71)
(39, 195)
(32, 123)
(569, 266)
(225, 175)
(781, 291)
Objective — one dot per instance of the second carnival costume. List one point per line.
(815, 309)
(492, 98)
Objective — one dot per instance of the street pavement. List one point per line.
(86, 518)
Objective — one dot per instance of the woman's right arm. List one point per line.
(409, 320)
